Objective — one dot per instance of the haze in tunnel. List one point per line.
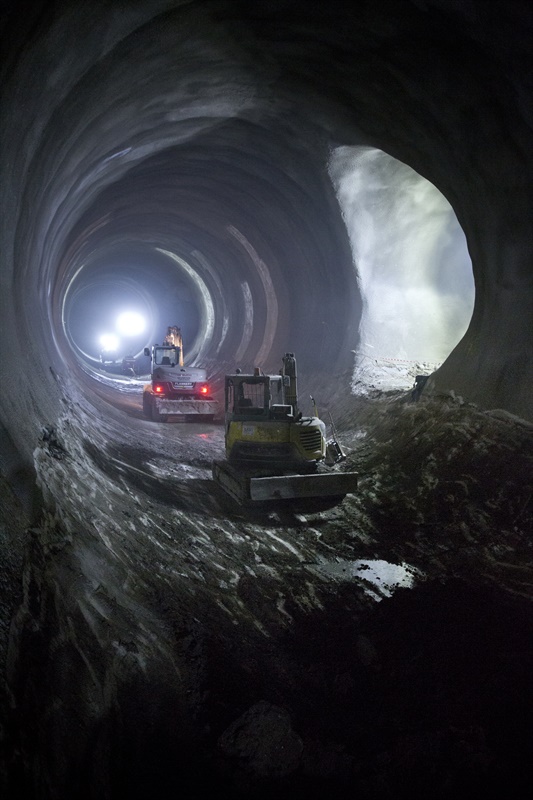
(130, 279)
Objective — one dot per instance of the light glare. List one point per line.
(130, 323)
(109, 341)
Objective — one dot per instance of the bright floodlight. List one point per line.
(130, 323)
(109, 341)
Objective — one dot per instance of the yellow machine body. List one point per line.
(272, 450)
(263, 423)
(276, 440)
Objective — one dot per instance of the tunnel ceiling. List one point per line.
(186, 145)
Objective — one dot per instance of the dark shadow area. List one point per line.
(426, 694)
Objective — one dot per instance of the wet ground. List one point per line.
(381, 648)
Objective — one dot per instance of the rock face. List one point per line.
(263, 742)
(174, 156)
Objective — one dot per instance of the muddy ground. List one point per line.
(167, 643)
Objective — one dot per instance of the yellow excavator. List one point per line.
(273, 451)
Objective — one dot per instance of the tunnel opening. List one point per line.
(412, 263)
(129, 278)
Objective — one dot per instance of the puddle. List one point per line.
(378, 579)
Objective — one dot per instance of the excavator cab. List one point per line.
(257, 396)
(166, 356)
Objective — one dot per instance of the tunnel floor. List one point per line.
(168, 643)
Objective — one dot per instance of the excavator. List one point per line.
(176, 392)
(273, 451)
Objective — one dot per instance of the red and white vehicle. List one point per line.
(175, 391)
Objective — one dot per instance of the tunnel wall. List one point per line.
(442, 86)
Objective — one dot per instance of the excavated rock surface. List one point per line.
(173, 643)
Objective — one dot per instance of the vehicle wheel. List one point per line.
(147, 405)
(157, 417)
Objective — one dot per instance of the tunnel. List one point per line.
(346, 181)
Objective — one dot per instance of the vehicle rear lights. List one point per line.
(204, 389)
(159, 388)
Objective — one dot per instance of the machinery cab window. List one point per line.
(166, 356)
(247, 397)
(257, 396)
